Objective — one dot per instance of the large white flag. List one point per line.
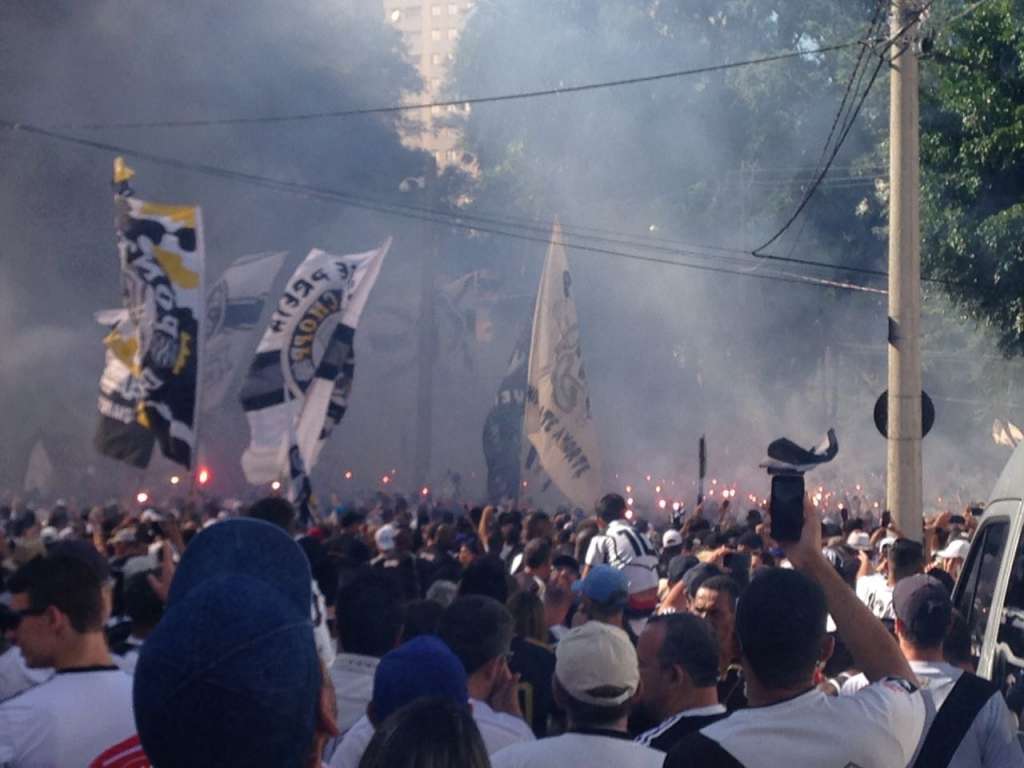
(234, 308)
(1006, 433)
(302, 373)
(39, 473)
(558, 418)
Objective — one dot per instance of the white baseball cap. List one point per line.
(859, 540)
(672, 538)
(597, 655)
(956, 548)
(384, 538)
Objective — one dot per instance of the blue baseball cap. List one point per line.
(230, 675)
(605, 585)
(424, 666)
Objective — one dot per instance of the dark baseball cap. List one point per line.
(230, 675)
(679, 565)
(922, 603)
(565, 561)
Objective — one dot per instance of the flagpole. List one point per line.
(200, 324)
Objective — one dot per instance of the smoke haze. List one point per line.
(671, 353)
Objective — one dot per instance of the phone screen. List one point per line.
(787, 507)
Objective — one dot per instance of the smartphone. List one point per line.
(787, 505)
(886, 518)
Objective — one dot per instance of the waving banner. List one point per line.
(302, 373)
(558, 420)
(503, 429)
(148, 388)
(234, 308)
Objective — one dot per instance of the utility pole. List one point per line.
(903, 477)
(426, 354)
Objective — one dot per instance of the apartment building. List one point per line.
(431, 30)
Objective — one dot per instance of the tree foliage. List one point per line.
(972, 153)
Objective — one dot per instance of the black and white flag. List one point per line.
(148, 389)
(234, 309)
(302, 373)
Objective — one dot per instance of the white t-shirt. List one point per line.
(499, 729)
(69, 720)
(16, 676)
(992, 738)
(353, 745)
(622, 547)
(321, 634)
(878, 727)
(579, 749)
(352, 676)
(874, 591)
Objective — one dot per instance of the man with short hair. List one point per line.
(678, 656)
(479, 631)
(969, 722)
(621, 547)
(144, 608)
(903, 558)
(369, 621)
(536, 567)
(86, 707)
(780, 628)
(715, 602)
(596, 681)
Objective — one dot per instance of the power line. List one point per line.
(306, 116)
(853, 116)
(429, 216)
(824, 171)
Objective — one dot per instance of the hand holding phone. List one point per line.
(787, 507)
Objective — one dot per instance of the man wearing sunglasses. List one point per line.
(58, 609)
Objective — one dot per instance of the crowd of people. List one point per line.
(392, 635)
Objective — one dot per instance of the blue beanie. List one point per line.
(230, 675)
(424, 666)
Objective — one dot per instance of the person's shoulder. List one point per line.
(491, 720)
(853, 684)
(37, 696)
(524, 753)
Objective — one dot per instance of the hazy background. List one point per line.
(671, 352)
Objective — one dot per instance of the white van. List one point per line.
(990, 590)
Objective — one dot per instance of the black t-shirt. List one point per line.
(434, 566)
(664, 739)
(402, 569)
(698, 751)
(535, 665)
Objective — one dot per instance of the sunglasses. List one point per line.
(14, 618)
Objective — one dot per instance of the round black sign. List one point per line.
(882, 414)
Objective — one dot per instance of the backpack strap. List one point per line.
(970, 693)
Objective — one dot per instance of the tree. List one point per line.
(72, 63)
(972, 153)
